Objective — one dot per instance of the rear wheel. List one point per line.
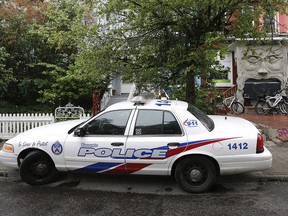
(237, 108)
(262, 108)
(38, 168)
(196, 174)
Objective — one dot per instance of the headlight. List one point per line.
(8, 148)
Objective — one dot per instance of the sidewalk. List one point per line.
(274, 127)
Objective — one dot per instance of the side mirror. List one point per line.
(80, 132)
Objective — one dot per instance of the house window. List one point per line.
(223, 78)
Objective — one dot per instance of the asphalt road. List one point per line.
(155, 185)
(143, 195)
(81, 195)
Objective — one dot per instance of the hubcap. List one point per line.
(195, 175)
(41, 169)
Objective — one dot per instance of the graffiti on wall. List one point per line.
(282, 134)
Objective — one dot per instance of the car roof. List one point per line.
(150, 104)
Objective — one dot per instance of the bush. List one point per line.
(205, 98)
(10, 108)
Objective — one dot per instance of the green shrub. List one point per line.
(9, 108)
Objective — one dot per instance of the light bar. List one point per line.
(139, 100)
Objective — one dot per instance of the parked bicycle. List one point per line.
(230, 104)
(234, 105)
(277, 103)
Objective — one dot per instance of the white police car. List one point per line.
(154, 137)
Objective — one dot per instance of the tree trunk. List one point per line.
(190, 87)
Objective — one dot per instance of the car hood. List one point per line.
(54, 129)
(234, 126)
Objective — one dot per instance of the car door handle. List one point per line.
(117, 144)
(173, 144)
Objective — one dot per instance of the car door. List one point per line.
(100, 147)
(156, 136)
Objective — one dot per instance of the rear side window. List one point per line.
(156, 122)
(202, 117)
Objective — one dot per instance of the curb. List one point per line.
(7, 172)
(244, 177)
(280, 178)
(3, 174)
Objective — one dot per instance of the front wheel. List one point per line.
(38, 168)
(262, 108)
(196, 174)
(237, 108)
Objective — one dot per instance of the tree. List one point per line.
(167, 42)
(72, 31)
(63, 49)
(17, 18)
(5, 73)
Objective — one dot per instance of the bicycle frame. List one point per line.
(277, 97)
(234, 99)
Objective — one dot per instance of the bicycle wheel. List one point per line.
(262, 108)
(285, 104)
(237, 108)
(283, 107)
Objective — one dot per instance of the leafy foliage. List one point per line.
(61, 50)
(166, 43)
(72, 31)
(17, 18)
(5, 74)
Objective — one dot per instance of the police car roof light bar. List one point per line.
(139, 100)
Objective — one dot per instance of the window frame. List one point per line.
(133, 126)
(202, 117)
(127, 125)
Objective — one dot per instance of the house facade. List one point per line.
(262, 69)
(257, 67)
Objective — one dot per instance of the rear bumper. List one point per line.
(245, 163)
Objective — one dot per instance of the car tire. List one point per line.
(38, 168)
(196, 174)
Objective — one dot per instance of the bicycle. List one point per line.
(267, 103)
(230, 104)
(234, 105)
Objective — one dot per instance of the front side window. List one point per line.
(156, 122)
(110, 123)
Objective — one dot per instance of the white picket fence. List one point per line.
(13, 124)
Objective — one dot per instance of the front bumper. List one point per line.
(8, 159)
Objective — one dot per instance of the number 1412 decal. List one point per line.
(235, 146)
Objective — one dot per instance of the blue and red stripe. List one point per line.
(128, 168)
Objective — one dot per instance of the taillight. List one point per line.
(260, 144)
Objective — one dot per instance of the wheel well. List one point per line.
(191, 155)
(24, 153)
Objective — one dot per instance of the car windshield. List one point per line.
(202, 117)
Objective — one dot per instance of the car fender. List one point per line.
(53, 148)
(188, 153)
